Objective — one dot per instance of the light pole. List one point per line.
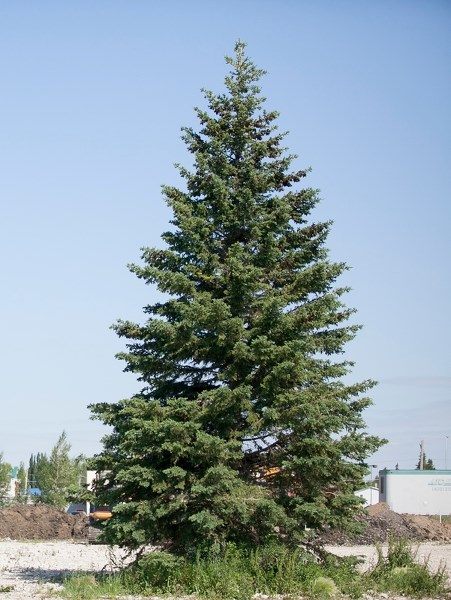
(446, 452)
(371, 483)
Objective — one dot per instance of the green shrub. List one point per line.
(156, 571)
(324, 588)
(225, 576)
(277, 569)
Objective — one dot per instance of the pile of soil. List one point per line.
(40, 522)
(378, 523)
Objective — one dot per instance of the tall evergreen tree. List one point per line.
(33, 469)
(244, 428)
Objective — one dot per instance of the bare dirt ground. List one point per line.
(33, 570)
(40, 545)
(40, 522)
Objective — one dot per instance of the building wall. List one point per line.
(12, 491)
(416, 492)
(370, 495)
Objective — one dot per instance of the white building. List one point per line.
(416, 492)
(370, 495)
(13, 489)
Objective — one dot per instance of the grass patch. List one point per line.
(240, 573)
(5, 589)
(400, 573)
(90, 587)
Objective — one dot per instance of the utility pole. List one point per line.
(422, 455)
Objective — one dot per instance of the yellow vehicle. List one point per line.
(96, 518)
(101, 514)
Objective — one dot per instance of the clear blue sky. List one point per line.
(93, 95)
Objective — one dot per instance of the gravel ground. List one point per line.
(27, 567)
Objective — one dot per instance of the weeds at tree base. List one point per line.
(89, 587)
(239, 573)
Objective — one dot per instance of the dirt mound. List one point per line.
(40, 522)
(378, 523)
(429, 528)
(44, 522)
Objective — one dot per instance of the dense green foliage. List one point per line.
(244, 428)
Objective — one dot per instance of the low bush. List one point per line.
(324, 588)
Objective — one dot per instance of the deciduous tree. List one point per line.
(5, 477)
(245, 428)
(58, 475)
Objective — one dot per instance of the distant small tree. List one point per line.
(34, 468)
(428, 465)
(22, 479)
(31, 471)
(5, 477)
(58, 476)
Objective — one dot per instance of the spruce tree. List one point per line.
(428, 463)
(244, 429)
